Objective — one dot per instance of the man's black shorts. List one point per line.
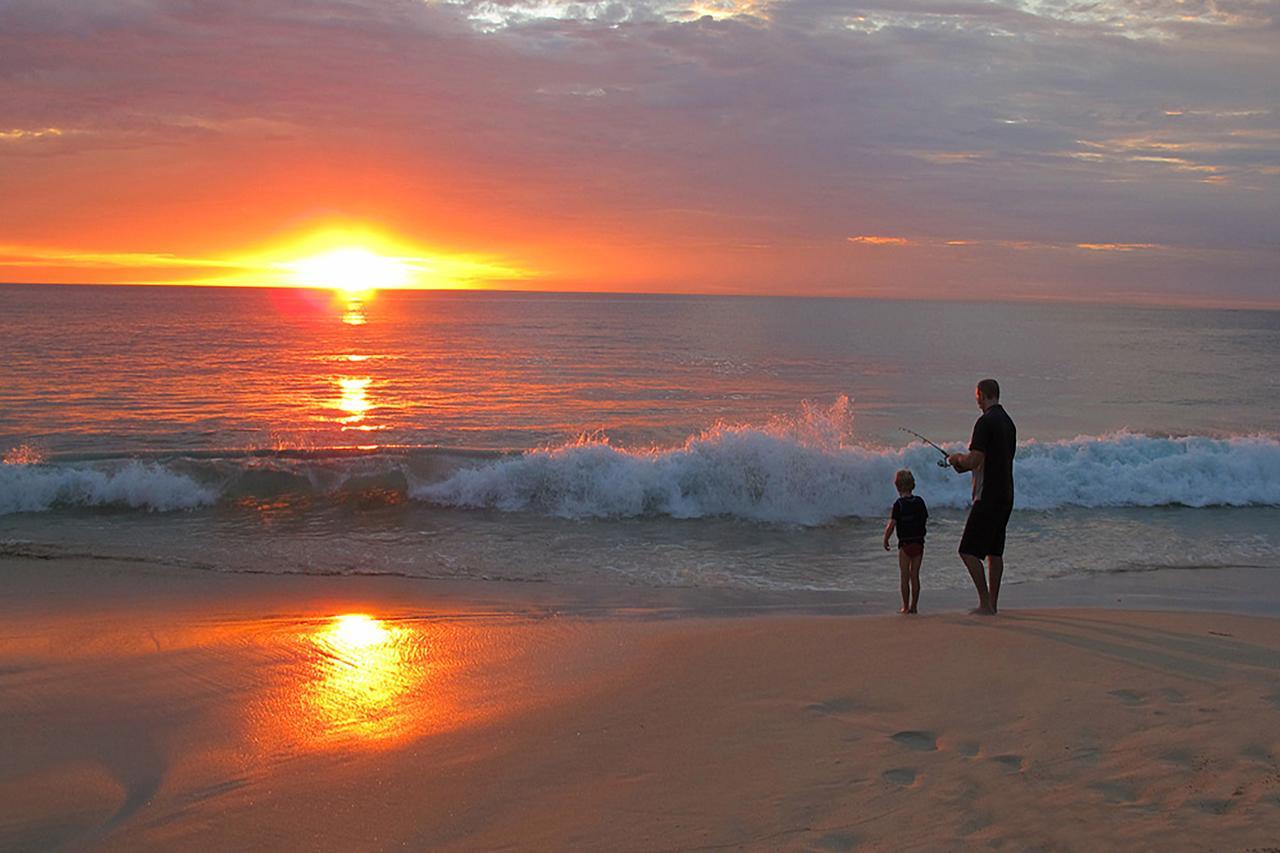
(984, 529)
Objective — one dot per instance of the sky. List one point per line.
(1124, 150)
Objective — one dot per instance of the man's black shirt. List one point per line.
(995, 435)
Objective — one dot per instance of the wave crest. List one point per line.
(771, 476)
(804, 470)
(141, 485)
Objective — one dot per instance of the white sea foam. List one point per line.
(805, 470)
(772, 476)
(141, 485)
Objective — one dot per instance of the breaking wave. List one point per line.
(141, 485)
(802, 473)
(804, 470)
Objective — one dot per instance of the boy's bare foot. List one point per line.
(904, 610)
(911, 610)
(982, 611)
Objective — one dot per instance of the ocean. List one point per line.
(653, 441)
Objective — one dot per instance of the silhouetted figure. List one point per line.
(909, 517)
(990, 458)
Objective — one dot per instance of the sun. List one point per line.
(352, 269)
(357, 261)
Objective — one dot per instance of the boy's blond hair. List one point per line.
(904, 480)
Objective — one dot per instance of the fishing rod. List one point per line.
(942, 463)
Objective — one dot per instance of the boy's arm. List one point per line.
(888, 531)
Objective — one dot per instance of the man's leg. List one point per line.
(995, 553)
(995, 568)
(975, 567)
(973, 542)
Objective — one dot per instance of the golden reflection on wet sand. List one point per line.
(364, 681)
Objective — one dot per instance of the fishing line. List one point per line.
(942, 463)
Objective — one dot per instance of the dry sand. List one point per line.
(215, 714)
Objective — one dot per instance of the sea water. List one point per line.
(655, 441)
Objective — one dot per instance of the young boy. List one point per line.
(909, 517)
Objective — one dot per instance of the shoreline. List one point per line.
(54, 582)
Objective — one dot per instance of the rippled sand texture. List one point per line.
(400, 725)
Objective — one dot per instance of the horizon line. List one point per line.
(1118, 300)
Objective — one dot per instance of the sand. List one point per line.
(143, 709)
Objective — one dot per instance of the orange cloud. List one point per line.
(18, 133)
(1117, 247)
(1015, 245)
(872, 240)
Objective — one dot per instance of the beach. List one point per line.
(149, 708)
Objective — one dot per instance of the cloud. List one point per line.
(1013, 245)
(18, 134)
(869, 240)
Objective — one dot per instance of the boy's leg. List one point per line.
(904, 577)
(915, 581)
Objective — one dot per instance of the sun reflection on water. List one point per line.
(355, 398)
(353, 313)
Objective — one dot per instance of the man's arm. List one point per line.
(970, 461)
(973, 460)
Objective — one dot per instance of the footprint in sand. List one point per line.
(975, 823)
(838, 705)
(968, 749)
(1116, 792)
(1173, 696)
(1128, 697)
(1213, 806)
(1179, 757)
(1012, 763)
(903, 776)
(839, 841)
(919, 741)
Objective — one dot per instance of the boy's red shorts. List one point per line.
(913, 549)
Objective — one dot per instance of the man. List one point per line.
(990, 458)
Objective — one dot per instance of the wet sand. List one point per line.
(149, 709)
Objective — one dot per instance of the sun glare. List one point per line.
(357, 631)
(350, 269)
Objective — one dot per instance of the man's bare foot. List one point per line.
(904, 611)
(912, 610)
(982, 611)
